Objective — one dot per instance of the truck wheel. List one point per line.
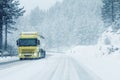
(21, 58)
(44, 54)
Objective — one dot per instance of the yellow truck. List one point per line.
(30, 46)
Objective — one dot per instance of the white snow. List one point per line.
(109, 42)
(79, 63)
(104, 66)
(7, 59)
(54, 67)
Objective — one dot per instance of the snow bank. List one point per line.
(106, 67)
(109, 42)
(8, 59)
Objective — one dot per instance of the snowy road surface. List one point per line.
(54, 67)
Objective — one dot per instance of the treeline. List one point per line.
(9, 12)
(72, 22)
(111, 13)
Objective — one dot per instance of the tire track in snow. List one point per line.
(82, 72)
(65, 68)
(60, 70)
(70, 69)
(47, 71)
(58, 67)
(51, 72)
(66, 71)
(73, 73)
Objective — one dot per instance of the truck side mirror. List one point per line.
(38, 42)
(17, 42)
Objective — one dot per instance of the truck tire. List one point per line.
(21, 58)
(44, 54)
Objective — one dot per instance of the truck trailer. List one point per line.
(30, 46)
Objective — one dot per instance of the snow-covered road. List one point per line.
(54, 67)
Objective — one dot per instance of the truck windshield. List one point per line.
(27, 42)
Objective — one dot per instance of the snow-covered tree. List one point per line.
(1, 23)
(10, 11)
(36, 16)
(68, 23)
(110, 11)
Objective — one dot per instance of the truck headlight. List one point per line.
(20, 54)
(35, 54)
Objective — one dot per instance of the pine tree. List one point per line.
(108, 11)
(10, 12)
(116, 25)
(1, 24)
(111, 11)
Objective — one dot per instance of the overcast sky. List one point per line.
(43, 4)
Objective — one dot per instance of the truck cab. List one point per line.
(30, 46)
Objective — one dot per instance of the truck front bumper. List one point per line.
(28, 56)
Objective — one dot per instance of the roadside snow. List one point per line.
(107, 67)
(54, 67)
(78, 61)
(109, 42)
(7, 59)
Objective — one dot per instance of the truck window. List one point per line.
(28, 42)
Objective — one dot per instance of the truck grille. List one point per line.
(27, 51)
